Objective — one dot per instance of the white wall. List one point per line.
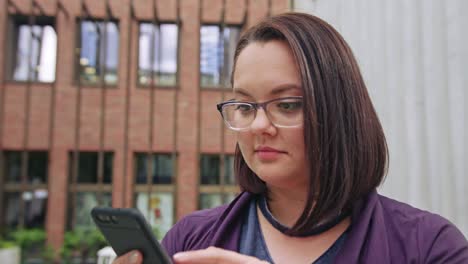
(414, 55)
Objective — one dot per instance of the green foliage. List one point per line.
(7, 243)
(32, 243)
(82, 243)
(157, 233)
(29, 238)
(48, 254)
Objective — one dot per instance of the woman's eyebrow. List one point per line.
(240, 91)
(284, 88)
(277, 90)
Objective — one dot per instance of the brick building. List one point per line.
(114, 103)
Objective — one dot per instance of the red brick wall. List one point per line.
(198, 124)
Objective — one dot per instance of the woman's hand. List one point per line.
(132, 257)
(213, 255)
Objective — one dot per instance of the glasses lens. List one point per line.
(286, 112)
(238, 115)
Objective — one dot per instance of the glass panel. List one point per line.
(162, 168)
(155, 40)
(36, 53)
(140, 168)
(99, 52)
(37, 166)
(229, 197)
(13, 166)
(231, 36)
(229, 177)
(87, 171)
(88, 167)
(144, 53)
(85, 201)
(35, 208)
(210, 200)
(209, 169)
(12, 207)
(210, 56)
(108, 167)
(217, 54)
(158, 209)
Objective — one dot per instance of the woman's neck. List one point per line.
(286, 205)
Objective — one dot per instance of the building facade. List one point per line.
(114, 103)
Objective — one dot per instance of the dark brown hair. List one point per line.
(343, 138)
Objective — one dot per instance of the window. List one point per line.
(32, 49)
(161, 167)
(157, 56)
(25, 206)
(216, 189)
(217, 47)
(88, 167)
(87, 190)
(210, 169)
(154, 189)
(99, 52)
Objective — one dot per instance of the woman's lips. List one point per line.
(268, 153)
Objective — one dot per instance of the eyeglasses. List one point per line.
(282, 112)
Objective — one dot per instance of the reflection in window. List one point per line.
(210, 200)
(85, 201)
(88, 167)
(217, 49)
(37, 164)
(99, 54)
(161, 168)
(34, 49)
(157, 54)
(35, 209)
(158, 209)
(32, 196)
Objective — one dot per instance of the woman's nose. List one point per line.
(262, 123)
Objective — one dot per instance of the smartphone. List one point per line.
(126, 229)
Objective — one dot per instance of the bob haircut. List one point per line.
(344, 140)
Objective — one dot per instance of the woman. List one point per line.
(310, 154)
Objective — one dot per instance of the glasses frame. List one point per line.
(256, 106)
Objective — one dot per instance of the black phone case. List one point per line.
(126, 229)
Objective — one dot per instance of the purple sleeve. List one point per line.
(446, 244)
(173, 241)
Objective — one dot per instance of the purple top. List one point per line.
(382, 231)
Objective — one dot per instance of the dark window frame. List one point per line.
(138, 84)
(225, 190)
(149, 187)
(14, 21)
(22, 188)
(77, 81)
(220, 85)
(99, 188)
(145, 156)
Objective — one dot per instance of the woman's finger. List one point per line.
(132, 257)
(213, 255)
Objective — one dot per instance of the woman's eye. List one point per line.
(243, 107)
(289, 106)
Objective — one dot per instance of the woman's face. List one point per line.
(266, 71)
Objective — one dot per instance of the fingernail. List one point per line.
(134, 257)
